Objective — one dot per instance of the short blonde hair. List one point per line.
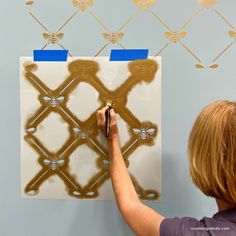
(212, 151)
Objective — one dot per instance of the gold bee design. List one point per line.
(113, 37)
(175, 37)
(53, 38)
(207, 3)
(232, 34)
(82, 4)
(144, 4)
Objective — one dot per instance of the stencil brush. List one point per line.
(108, 117)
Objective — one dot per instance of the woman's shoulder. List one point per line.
(222, 223)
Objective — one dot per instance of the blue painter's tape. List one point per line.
(50, 55)
(128, 54)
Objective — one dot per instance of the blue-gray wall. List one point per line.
(185, 91)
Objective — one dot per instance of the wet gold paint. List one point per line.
(86, 132)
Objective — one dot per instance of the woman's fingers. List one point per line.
(101, 116)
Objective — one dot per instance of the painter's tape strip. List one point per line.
(128, 54)
(50, 55)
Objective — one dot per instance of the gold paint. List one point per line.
(175, 37)
(224, 50)
(214, 66)
(113, 37)
(29, 2)
(82, 5)
(53, 38)
(199, 66)
(232, 34)
(207, 3)
(141, 133)
(144, 4)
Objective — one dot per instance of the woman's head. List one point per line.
(212, 151)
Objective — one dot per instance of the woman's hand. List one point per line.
(101, 119)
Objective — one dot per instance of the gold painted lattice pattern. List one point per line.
(172, 36)
(141, 133)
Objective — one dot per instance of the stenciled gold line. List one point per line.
(162, 49)
(68, 179)
(223, 18)
(120, 45)
(223, 51)
(185, 47)
(100, 50)
(38, 21)
(64, 49)
(38, 116)
(68, 115)
(127, 21)
(99, 21)
(193, 17)
(161, 21)
(67, 21)
(45, 46)
(132, 144)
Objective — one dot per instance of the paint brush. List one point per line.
(108, 117)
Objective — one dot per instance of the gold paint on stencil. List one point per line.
(82, 5)
(86, 132)
(207, 3)
(144, 4)
(175, 37)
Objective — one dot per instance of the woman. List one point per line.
(212, 156)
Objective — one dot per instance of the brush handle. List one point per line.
(108, 117)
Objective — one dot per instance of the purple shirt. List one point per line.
(222, 223)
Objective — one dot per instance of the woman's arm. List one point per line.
(142, 219)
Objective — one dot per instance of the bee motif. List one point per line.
(175, 37)
(53, 101)
(113, 37)
(208, 3)
(144, 4)
(82, 4)
(144, 133)
(53, 164)
(232, 34)
(80, 133)
(53, 38)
